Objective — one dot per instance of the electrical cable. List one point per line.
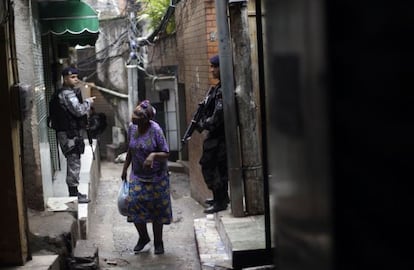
(121, 39)
(131, 35)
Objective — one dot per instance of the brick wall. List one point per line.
(164, 53)
(189, 50)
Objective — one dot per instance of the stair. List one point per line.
(39, 262)
(226, 242)
(211, 249)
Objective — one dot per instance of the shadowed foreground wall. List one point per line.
(340, 133)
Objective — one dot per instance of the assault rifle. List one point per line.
(88, 133)
(196, 118)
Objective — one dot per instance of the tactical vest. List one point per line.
(60, 119)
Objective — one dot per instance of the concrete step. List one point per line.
(89, 179)
(211, 249)
(85, 256)
(39, 262)
(66, 204)
(244, 239)
(226, 242)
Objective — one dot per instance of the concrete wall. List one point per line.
(112, 54)
(87, 68)
(37, 179)
(340, 136)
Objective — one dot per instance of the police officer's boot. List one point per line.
(82, 198)
(210, 201)
(226, 194)
(219, 203)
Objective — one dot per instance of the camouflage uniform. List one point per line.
(72, 148)
(70, 141)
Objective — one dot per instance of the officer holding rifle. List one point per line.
(209, 116)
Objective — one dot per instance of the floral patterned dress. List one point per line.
(149, 189)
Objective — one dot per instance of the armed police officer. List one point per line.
(214, 158)
(72, 114)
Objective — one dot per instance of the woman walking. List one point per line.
(149, 187)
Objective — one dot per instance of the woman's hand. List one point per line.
(149, 161)
(124, 175)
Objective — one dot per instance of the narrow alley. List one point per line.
(316, 152)
(116, 238)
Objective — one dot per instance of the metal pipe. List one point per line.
(230, 112)
(105, 90)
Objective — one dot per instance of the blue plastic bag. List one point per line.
(123, 198)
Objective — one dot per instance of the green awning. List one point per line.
(73, 21)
